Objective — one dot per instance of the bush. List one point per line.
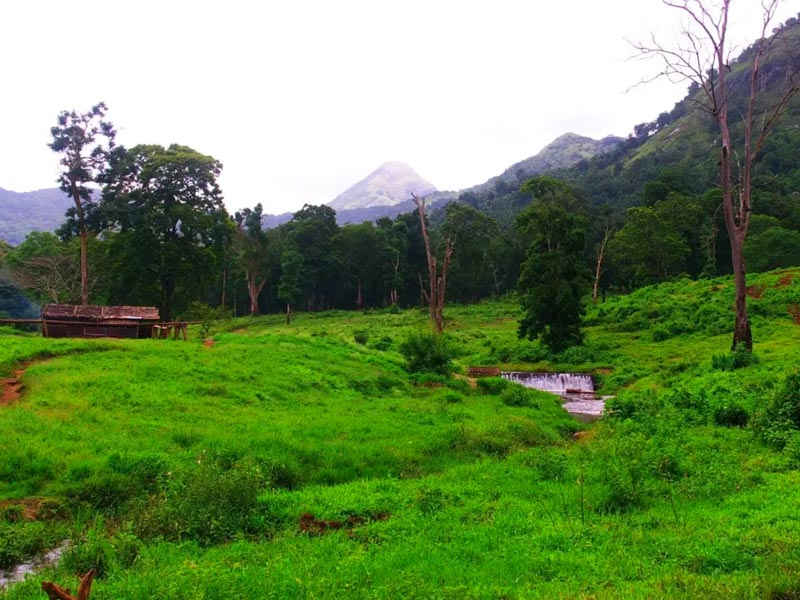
(206, 315)
(492, 385)
(781, 419)
(515, 395)
(731, 415)
(361, 337)
(211, 504)
(740, 357)
(575, 355)
(383, 344)
(427, 352)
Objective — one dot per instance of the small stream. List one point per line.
(576, 389)
(19, 572)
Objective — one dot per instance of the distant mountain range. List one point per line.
(386, 192)
(40, 210)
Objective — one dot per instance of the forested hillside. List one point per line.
(21, 213)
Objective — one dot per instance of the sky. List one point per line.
(300, 99)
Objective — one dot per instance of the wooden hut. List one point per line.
(68, 320)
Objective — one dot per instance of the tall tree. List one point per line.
(437, 277)
(170, 226)
(472, 271)
(314, 234)
(252, 249)
(84, 141)
(553, 278)
(394, 244)
(290, 288)
(702, 57)
(361, 254)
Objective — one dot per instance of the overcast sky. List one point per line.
(299, 99)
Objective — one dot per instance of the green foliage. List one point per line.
(208, 316)
(169, 225)
(515, 395)
(211, 503)
(427, 352)
(740, 357)
(552, 279)
(731, 415)
(361, 337)
(492, 385)
(780, 420)
(22, 539)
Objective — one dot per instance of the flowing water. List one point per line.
(19, 572)
(576, 389)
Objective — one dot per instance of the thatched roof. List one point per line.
(72, 312)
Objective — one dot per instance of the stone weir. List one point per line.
(577, 390)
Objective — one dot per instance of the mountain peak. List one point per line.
(390, 184)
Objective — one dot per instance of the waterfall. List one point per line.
(576, 389)
(555, 383)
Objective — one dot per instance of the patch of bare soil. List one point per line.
(31, 509)
(583, 436)
(794, 310)
(756, 291)
(208, 343)
(310, 525)
(785, 280)
(11, 387)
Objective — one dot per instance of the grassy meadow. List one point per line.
(303, 461)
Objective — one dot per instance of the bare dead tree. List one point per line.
(437, 280)
(598, 269)
(54, 278)
(701, 56)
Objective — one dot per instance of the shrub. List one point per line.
(492, 385)
(575, 355)
(427, 352)
(361, 337)
(781, 419)
(210, 504)
(731, 415)
(383, 344)
(740, 357)
(515, 395)
(208, 316)
(660, 333)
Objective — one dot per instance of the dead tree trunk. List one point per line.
(703, 59)
(437, 281)
(83, 234)
(598, 270)
(254, 290)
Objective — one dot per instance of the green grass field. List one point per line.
(298, 462)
